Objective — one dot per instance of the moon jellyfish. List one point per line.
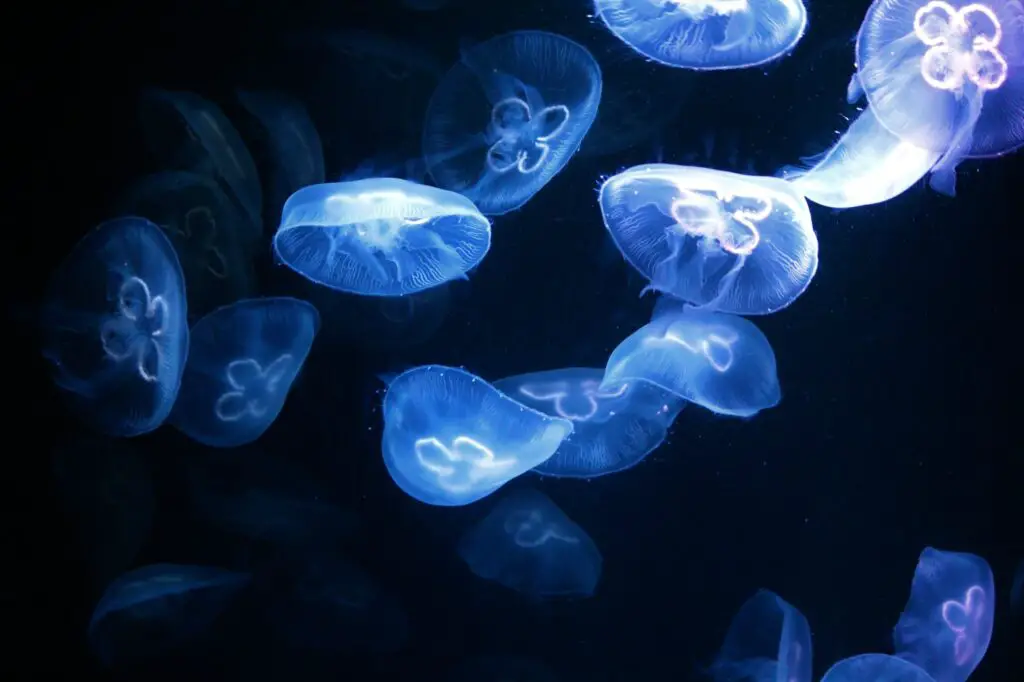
(243, 361)
(507, 118)
(613, 430)
(451, 438)
(501, 669)
(946, 625)
(875, 668)
(944, 76)
(529, 545)
(769, 640)
(707, 34)
(115, 327)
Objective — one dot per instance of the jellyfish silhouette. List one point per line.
(875, 668)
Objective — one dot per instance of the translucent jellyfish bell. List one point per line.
(706, 34)
(875, 668)
(115, 327)
(722, 241)
(507, 118)
(381, 236)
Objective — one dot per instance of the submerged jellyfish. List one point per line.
(529, 545)
(732, 243)
(946, 77)
(612, 429)
(243, 361)
(507, 118)
(875, 668)
(115, 327)
(946, 626)
(450, 438)
(381, 237)
(707, 34)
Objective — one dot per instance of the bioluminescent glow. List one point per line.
(875, 668)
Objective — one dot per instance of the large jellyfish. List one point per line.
(529, 545)
(945, 76)
(115, 327)
(875, 668)
(507, 118)
(242, 363)
(707, 34)
(450, 438)
(381, 236)
(612, 429)
(946, 626)
(722, 241)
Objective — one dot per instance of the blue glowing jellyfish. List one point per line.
(115, 327)
(707, 34)
(945, 76)
(769, 640)
(243, 361)
(722, 241)
(529, 545)
(946, 625)
(875, 668)
(450, 438)
(381, 237)
(507, 118)
(613, 430)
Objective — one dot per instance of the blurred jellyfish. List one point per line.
(529, 545)
(707, 34)
(243, 361)
(507, 118)
(450, 438)
(946, 626)
(501, 669)
(875, 668)
(943, 76)
(732, 243)
(115, 327)
(613, 430)
(381, 237)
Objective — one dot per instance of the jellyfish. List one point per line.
(875, 668)
(946, 626)
(243, 361)
(945, 77)
(722, 241)
(115, 327)
(501, 669)
(706, 34)
(451, 438)
(613, 430)
(529, 545)
(506, 119)
(769, 640)
(381, 237)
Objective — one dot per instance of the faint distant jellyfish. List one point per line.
(115, 328)
(706, 34)
(875, 668)
(450, 438)
(243, 360)
(507, 118)
(381, 236)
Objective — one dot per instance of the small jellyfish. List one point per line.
(450, 438)
(529, 545)
(707, 34)
(115, 327)
(875, 668)
(613, 430)
(507, 118)
(381, 237)
(243, 361)
(946, 626)
(722, 241)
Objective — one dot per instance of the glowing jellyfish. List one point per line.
(945, 76)
(732, 243)
(381, 237)
(243, 361)
(450, 438)
(946, 625)
(529, 545)
(613, 430)
(115, 327)
(507, 118)
(707, 34)
(769, 640)
(875, 668)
